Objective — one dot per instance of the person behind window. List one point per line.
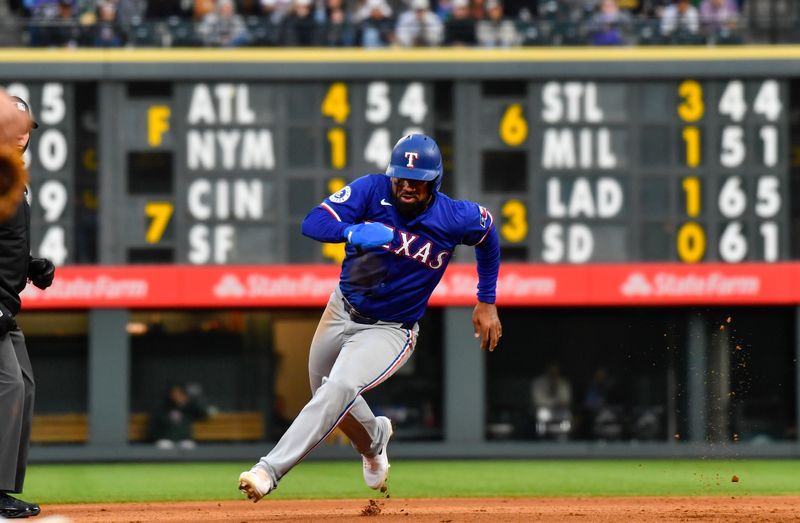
(172, 423)
(551, 395)
(419, 26)
(602, 410)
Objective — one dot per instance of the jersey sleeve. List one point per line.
(480, 232)
(349, 204)
(477, 221)
(327, 221)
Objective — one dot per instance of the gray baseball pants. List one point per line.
(346, 359)
(16, 410)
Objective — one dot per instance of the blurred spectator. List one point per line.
(597, 392)
(419, 26)
(270, 11)
(496, 31)
(551, 395)
(54, 24)
(459, 30)
(130, 10)
(299, 29)
(718, 15)
(375, 26)
(223, 27)
(653, 8)
(281, 7)
(603, 418)
(680, 17)
(478, 9)
(443, 9)
(608, 24)
(172, 423)
(265, 26)
(107, 31)
(337, 30)
(205, 7)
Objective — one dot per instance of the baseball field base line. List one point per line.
(595, 509)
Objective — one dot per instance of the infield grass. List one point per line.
(82, 483)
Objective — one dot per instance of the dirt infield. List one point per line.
(606, 509)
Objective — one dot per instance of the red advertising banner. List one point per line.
(523, 285)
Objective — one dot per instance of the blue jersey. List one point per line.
(395, 281)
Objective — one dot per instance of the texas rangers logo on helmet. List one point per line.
(411, 157)
(484, 216)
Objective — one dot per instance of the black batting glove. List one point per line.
(7, 321)
(41, 272)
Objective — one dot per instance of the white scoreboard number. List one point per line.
(50, 195)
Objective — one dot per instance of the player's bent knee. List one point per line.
(16, 389)
(338, 388)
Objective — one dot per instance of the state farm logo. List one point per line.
(99, 287)
(256, 285)
(636, 285)
(229, 287)
(680, 285)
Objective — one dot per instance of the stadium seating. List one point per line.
(182, 32)
(143, 34)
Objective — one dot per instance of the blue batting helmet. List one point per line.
(416, 157)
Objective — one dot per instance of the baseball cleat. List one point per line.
(255, 483)
(376, 468)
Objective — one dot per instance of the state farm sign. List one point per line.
(521, 285)
(670, 284)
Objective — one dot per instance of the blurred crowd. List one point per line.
(374, 23)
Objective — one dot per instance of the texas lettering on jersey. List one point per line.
(395, 281)
(408, 243)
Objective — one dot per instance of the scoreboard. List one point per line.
(50, 161)
(224, 172)
(609, 171)
(580, 161)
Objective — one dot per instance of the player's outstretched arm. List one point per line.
(485, 320)
(321, 226)
(487, 325)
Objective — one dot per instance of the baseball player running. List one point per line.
(400, 233)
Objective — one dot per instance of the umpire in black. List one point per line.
(17, 267)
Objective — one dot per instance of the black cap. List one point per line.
(23, 106)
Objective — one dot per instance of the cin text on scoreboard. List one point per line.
(223, 173)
